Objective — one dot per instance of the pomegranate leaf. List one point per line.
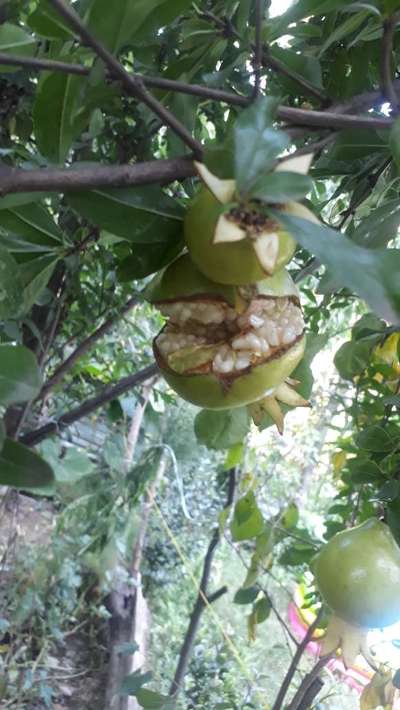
(374, 275)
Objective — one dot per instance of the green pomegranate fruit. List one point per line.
(225, 346)
(358, 575)
(240, 246)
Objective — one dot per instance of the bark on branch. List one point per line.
(202, 599)
(278, 704)
(31, 438)
(14, 180)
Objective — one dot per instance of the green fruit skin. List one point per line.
(213, 393)
(182, 279)
(358, 575)
(229, 262)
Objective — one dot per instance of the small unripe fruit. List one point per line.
(358, 575)
(264, 248)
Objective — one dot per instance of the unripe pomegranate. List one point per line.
(225, 346)
(358, 575)
(234, 241)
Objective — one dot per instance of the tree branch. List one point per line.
(108, 393)
(151, 81)
(202, 598)
(16, 60)
(330, 119)
(132, 83)
(258, 49)
(309, 696)
(83, 348)
(307, 683)
(388, 90)
(278, 704)
(14, 180)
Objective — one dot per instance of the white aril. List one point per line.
(268, 324)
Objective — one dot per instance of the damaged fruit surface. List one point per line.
(224, 346)
(358, 575)
(238, 245)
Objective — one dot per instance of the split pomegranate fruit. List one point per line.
(226, 346)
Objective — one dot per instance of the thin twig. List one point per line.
(107, 394)
(203, 598)
(278, 704)
(258, 50)
(83, 348)
(133, 84)
(388, 90)
(151, 81)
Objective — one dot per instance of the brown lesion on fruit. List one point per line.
(208, 336)
(252, 221)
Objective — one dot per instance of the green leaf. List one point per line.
(262, 609)
(149, 258)
(390, 6)
(22, 468)
(56, 128)
(281, 187)
(71, 466)
(353, 358)
(11, 288)
(222, 429)
(117, 25)
(351, 24)
(140, 215)
(389, 491)
(290, 517)
(305, 8)
(47, 22)
(394, 141)
(301, 65)
(257, 144)
(364, 471)
(14, 40)
(2, 434)
(246, 596)
(379, 227)
(375, 438)
(28, 225)
(127, 649)
(372, 274)
(154, 701)
(234, 455)
(248, 521)
(35, 275)
(20, 378)
(133, 682)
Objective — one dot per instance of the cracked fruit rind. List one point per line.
(235, 262)
(225, 346)
(358, 575)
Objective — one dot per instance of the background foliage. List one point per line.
(74, 326)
